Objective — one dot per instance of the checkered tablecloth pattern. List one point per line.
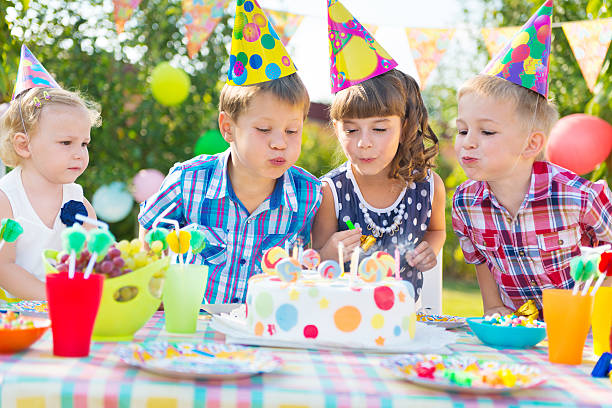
(308, 378)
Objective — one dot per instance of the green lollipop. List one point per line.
(10, 230)
(157, 234)
(99, 241)
(577, 268)
(198, 241)
(73, 241)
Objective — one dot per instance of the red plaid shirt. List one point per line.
(532, 251)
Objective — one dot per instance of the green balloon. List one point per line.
(170, 86)
(211, 142)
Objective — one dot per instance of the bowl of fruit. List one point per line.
(132, 286)
(19, 332)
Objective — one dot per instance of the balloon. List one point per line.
(112, 202)
(146, 183)
(211, 142)
(170, 85)
(579, 142)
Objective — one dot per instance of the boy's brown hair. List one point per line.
(394, 94)
(25, 111)
(539, 113)
(234, 100)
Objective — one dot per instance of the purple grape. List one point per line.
(62, 267)
(118, 262)
(64, 258)
(106, 266)
(113, 253)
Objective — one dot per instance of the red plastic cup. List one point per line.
(73, 306)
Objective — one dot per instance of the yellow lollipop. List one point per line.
(178, 244)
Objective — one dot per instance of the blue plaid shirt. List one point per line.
(204, 196)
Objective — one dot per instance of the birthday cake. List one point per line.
(366, 310)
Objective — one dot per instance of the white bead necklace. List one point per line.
(377, 230)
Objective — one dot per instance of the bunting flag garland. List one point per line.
(285, 24)
(496, 38)
(428, 45)
(123, 10)
(371, 28)
(201, 18)
(589, 41)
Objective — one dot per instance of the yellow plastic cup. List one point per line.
(568, 318)
(183, 293)
(602, 321)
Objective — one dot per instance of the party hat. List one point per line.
(355, 55)
(525, 60)
(31, 74)
(257, 54)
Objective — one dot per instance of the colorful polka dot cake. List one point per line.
(323, 307)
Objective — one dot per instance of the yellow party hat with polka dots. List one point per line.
(355, 55)
(257, 53)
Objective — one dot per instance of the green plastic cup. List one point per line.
(182, 295)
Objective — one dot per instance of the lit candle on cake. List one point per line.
(397, 264)
(341, 257)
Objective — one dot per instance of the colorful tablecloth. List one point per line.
(308, 378)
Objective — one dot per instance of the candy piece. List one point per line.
(386, 261)
(366, 242)
(603, 366)
(74, 238)
(311, 259)
(425, 371)
(605, 261)
(100, 241)
(198, 241)
(329, 270)
(178, 244)
(370, 270)
(271, 258)
(10, 230)
(289, 269)
(461, 378)
(507, 377)
(528, 309)
(156, 235)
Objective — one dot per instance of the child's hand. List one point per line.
(422, 257)
(350, 239)
(502, 310)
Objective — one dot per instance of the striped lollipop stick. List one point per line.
(592, 261)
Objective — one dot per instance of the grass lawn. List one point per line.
(461, 298)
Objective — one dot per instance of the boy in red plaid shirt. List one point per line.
(520, 220)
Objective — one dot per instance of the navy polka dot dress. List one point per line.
(402, 225)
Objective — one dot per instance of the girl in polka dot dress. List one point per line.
(386, 188)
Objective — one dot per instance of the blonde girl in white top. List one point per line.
(44, 135)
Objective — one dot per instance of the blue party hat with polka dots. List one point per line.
(257, 54)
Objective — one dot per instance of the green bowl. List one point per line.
(118, 320)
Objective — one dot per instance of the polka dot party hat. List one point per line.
(257, 54)
(355, 55)
(31, 74)
(525, 60)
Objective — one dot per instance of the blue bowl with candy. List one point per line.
(506, 336)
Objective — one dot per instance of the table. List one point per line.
(309, 378)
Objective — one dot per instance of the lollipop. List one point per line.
(156, 239)
(178, 243)
(289, 269)
(329, 270)
(605, 269)
(99, 241)
(271, 259)
(198, 241)
(370, 270)
(386, 261)
(73, 241)
(9, 231)
(311, 259)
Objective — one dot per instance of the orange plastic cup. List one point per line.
(602, 320)
(568, 318)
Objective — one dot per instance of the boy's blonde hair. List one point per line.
(539, 113)
(234, 100)
(394, 94)
(23, 111)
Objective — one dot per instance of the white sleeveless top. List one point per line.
(36, 235)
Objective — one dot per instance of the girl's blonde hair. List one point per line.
(25, 111)
(394, 94)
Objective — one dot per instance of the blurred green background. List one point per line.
(77, 42)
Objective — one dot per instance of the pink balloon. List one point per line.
(579, 142)
(541, 21)
(146, 183)
(520, 53)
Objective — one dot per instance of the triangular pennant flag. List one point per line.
(525, 60)
(589, 41)
(355, 55)
(201, 18)
(496, 38)
(257, 53)
(123, 10)
(31, 74)
(286, 24)
(428, 45)
(372, 28)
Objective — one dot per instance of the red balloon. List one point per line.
(520, 53)
(579, 142)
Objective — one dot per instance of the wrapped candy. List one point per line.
(366, 242)
(528, 309)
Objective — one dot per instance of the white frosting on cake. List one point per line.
(331, 312)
